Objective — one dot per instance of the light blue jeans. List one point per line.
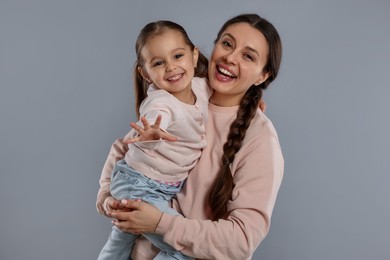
(126, 183)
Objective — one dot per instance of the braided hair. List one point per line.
(221, 191)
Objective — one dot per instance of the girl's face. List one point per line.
(237, 63)
(169, 63)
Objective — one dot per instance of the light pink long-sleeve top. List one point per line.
(257, 172)
(171, 161)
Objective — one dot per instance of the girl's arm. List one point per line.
(118, 150)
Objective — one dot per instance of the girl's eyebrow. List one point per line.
(173, 51)
(247, 47)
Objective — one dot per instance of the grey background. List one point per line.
(66, 95)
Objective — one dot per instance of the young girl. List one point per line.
(230, 194)
(166, 91)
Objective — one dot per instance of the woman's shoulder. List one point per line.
(262, 125)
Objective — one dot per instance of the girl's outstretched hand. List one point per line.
(140, 218)
(150, 132)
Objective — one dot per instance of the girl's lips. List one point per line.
(175, 78)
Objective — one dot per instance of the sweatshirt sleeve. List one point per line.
(151, 108)
(117, 152)
(257, 178)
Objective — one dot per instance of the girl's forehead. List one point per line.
(167, 33)
(163, 43)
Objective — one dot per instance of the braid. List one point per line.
(223, 186)
(221, 192)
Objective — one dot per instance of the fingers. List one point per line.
(114, 204)
(262, 105)
(157, 122)
(168, 137)
(145, 123)
(126, 226)
(131, 204)
(132, 140)
(137, 127)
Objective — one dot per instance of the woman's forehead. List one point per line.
(246, 36)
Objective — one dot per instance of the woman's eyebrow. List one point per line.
(253, 50)
(229, 35)
(247, 47)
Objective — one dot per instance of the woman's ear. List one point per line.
(144, 74)
(264, 76)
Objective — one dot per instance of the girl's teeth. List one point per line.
(176, 77)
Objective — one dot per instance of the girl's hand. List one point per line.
(148, 132)
(139, 218)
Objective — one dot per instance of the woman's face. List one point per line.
(237, 63)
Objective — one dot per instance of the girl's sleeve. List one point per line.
(257, 179)
(117, 152)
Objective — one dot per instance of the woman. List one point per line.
(229, 195)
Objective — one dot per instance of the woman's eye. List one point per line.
(249, 57)
(227, 44)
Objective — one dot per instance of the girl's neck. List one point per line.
(187, 96)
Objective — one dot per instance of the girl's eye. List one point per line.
(158, 63)
(178, 56)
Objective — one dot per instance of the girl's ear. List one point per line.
(144, 74)
(264, 76)
(195, 56)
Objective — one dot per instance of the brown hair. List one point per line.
(152, 29)
(221, 191)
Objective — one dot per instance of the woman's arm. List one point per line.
(257, 179)
(104, 200)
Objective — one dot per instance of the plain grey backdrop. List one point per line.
(66, 95)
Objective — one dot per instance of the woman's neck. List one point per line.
(223, 100)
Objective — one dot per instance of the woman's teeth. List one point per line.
(226, 72)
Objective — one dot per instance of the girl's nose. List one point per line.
(170, 66)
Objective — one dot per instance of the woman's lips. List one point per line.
(223, 74)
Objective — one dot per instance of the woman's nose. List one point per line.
(232, 57)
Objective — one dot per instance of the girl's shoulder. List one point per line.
(201, 87)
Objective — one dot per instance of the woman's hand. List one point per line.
(148, 132)
(262, 105)
(139, 217)
(111, 204)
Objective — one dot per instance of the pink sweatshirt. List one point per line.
(171, 161)
(258, 170)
